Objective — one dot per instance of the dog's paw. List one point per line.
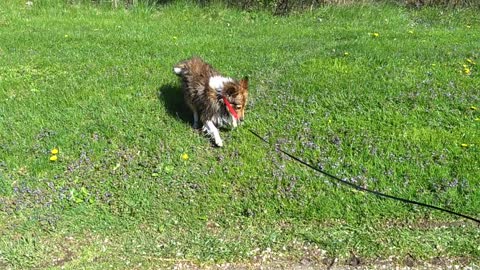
(218, 142)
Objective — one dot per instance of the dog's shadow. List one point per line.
(171, 97)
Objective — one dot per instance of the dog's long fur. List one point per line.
(204, 89)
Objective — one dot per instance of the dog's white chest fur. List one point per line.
(217, 82)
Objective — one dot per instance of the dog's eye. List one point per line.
(237, 106)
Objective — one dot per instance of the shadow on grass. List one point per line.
(172, 98)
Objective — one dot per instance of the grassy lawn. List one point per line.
(379, 95)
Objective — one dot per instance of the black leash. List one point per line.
(364, 189)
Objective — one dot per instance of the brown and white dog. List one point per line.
(215, 100)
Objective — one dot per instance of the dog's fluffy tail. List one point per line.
(179, 68)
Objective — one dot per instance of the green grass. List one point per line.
(389, 112)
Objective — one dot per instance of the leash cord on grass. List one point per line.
(362, 188)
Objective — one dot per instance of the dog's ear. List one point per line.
(244, 83)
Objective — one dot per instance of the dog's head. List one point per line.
(236, 93)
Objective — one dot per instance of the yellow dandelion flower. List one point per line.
(375, 34)
(184, 156)
(53, 158)
(464, 145)
(54, 151)
(467, 71)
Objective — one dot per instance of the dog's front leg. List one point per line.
(213, 132)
